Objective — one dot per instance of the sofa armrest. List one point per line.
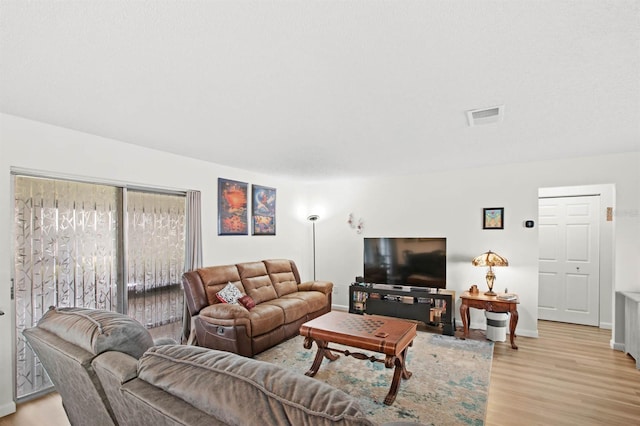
(194, 292)
(119, 367)
(225, 311)
(164, 341)
(324, 286)
(114, 369)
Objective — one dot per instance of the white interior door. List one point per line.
(569, 266)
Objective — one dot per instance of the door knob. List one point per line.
(1, 313)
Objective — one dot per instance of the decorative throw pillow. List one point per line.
(247, 302)
(229, 294)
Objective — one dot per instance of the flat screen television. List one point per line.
(414, 262)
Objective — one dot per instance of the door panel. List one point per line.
(569, 259)
(577, 294)
(549, 240)
(548, 290)
(578, 243)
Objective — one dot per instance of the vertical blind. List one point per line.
(155, 257)
(69, 240)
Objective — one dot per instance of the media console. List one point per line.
(418, 304)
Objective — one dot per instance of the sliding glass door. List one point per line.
(97, 246)
(155, 257)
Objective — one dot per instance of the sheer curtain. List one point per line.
(193, 249)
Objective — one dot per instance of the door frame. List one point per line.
(607, 194)
(564, 216)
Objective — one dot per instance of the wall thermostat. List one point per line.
(528, 224)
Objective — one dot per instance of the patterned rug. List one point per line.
(449, 386)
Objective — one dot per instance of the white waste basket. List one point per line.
(496, 326)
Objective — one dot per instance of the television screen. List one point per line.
(414, 262)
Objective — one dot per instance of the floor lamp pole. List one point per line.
(313, 218)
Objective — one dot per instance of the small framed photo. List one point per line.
(493, 218)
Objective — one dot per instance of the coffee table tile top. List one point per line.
(356, 326)
(370, 332)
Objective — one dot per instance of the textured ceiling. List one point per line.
(323, 89)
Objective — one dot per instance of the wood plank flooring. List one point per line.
(567, 376)
(46, 410)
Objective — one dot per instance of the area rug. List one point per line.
(449, 386)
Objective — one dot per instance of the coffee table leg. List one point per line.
(399, 371)
(323, 352)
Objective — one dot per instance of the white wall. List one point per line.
(36, 146)
(431, 204)
(434, 205)
(450, 204)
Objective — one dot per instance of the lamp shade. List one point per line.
(490, 259)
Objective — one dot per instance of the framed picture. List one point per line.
(263, 215)
(493, 218)
(232, 207)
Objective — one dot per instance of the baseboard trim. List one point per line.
(616, 346)
(340, 308)
(483, 326)
(7, 409)
(528, 333)
(606, 326)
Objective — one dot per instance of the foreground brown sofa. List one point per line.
(108, 372)
(283, 303)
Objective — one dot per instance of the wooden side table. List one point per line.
(490, 304)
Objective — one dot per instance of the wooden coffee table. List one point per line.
(389, 336)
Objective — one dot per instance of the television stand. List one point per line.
(416, 304)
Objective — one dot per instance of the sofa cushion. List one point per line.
(256, 281)
(314, 300)
(229, 294)
(282, 276)
(97, 331)
(247, 302)
(225, 311)
(254, 390)
(264, 318)
(292, 308)
(215, 278)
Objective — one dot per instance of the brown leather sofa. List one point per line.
(283, 303)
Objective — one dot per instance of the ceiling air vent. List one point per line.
(477, 117)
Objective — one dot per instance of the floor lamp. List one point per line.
(313, 218)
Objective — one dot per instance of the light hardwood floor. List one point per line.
(567, 376)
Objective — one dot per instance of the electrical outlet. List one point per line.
(336, 291)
